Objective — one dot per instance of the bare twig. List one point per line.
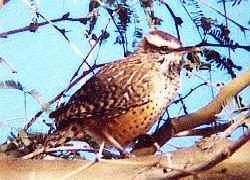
(33, 154)
(110, 12)
(182, 3)
(58, 96)
(222, 14)
(60, 148)
(173, 16)
(63, 18)
(198, 47)
(232, 46)
(186, 95)
(72, 148)
(13, 70)
(92, 48)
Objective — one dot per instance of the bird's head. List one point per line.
(159, 41)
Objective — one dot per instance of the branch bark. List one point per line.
(206, 114)
(194, 161)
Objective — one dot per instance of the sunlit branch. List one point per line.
(205, 132)
(206, 114)
(219, 154)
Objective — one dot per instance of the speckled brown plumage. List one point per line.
(126, 97)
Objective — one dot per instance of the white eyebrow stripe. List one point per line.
(158, 41)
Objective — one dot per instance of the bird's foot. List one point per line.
(124, 154)
(99, 155)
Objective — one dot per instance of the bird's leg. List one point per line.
(145, 145)
(99, 155)
(116, 144)
(158, 147)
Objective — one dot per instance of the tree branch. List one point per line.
(194, 161)
(58, 96)
(206, 114)
(37, 25)
(205, 132)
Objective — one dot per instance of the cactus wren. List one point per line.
(126, 97)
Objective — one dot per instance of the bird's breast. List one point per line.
(124, 128)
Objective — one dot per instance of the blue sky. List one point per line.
(45, 62)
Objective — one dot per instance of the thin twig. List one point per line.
(58, 96)
(63, 18)
(110, 12)
(186, 95)
(184, 107)
(71, 148)
(220, 13)
(197, 27)
(173, 16)
(92, 48)
(63, 32)
(233, 46)
(2, 61)
(33, 154)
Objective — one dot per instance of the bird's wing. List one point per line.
(112, 91)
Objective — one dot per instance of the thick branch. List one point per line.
(206, 114)
(205, 132)
(184, 161)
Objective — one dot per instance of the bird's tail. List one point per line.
(64, 134)
(70, 130)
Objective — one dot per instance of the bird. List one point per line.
(124, 98)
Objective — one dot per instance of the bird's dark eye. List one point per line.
(164, 48)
